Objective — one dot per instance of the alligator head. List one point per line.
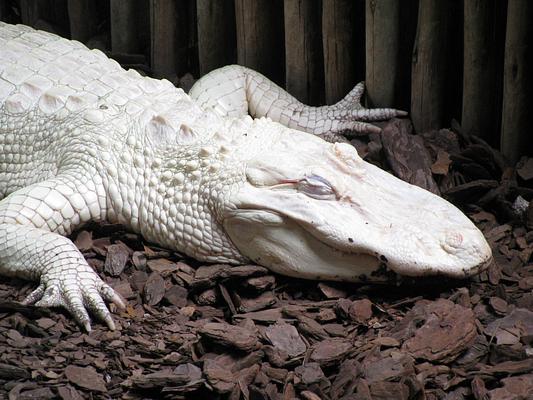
(313, 209)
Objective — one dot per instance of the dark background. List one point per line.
(468, 60)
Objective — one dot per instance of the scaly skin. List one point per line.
(84, 140)
(236, 91)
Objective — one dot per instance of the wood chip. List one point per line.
(209, 275)
(86, 378)
(446, 329)
(117, 257)
(154, 289)
(176, 295)
(285, 337)
(229, 336)
(407, 155)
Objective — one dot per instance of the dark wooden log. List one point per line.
(163, 38)
(29, 12)
(479, 73)
(382, 37)
(339, 20)
(304, 67)
(190, 40)
(429, 66)
(124, 26)
(260, 37)
(82, 17)
(4, 11)
(216, 34)
(517, 118)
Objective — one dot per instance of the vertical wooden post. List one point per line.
(82, 16)
(124, 26)
(479, 73)
(429, 66)
(408, 18)
(259, 31)
(163, 38)
(216, 34)
(29, 12)
(339, 45)
(382, 37)
(517, 117)
(304, 68)
(3, 11)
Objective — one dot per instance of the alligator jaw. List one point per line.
(288, 249)
(367, 221)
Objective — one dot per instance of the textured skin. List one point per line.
(236, 91)
(82, 139)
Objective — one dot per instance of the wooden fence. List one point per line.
(468, 60)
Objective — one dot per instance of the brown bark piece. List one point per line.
(468, 192)
(388, 368)
(219, 376)
(117, 257)
(69, 393)
(330, 351)
(209, 275)
(13, 372)
(446, 329)
(285, 337)
(85, 378)
(177, 296)
(84, 241)
(525, 169)
(154, 289)
(162, 266)
(182, 375)
(357, 310)
(389, 391)
(228, 335)
(308, 374)
(511, 328)
(407, 155)
(515, 387)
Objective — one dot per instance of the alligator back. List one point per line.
(53, 90)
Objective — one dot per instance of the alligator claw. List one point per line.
(78, 290)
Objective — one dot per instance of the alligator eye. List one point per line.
(316, 187)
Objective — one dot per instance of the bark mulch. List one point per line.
(198, 331)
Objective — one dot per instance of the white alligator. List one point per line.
(81, 139)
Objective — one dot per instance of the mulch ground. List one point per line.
(199, 331)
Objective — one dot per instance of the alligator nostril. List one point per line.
(452, 241)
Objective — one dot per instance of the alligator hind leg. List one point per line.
(235, 91)
(32, 221)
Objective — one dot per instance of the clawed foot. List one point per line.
(80, 290)
(354, 118)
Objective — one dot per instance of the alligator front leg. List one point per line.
(32, 220)
(235, 91)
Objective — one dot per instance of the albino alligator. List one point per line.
(82, 139)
